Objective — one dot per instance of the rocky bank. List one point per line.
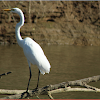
(53, 22)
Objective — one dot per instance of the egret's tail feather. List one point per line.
(44, 71)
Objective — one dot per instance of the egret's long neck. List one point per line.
(17, 29)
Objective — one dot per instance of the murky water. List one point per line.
(68, 63)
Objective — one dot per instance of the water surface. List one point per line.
(67, 63)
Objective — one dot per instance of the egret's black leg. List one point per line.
(29, 79)
(38, 79)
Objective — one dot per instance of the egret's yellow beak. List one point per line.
(6, 9)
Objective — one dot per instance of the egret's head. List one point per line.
(13, 10)
(19, 12)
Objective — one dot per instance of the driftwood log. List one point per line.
(57, 88)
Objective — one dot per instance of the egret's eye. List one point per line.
(12, 9)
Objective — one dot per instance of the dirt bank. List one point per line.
(53, 22)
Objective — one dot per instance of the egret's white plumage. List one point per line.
(32, 50)
(35, 55)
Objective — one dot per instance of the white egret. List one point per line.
(32, 50)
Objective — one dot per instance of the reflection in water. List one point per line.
(67, 63)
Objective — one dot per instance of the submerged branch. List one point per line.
(57, 88)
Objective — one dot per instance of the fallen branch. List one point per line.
(10, 92)
(57, 88)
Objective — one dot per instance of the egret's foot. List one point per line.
(36, 89)
(25, 94)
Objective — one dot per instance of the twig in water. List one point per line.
(5, 74)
